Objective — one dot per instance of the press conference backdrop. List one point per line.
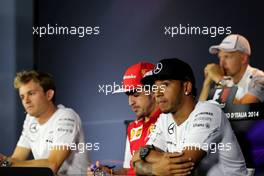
(119, 33)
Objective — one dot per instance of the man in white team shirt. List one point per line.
(234, 70)
(201, 133)
(52, 133)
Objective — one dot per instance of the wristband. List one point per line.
(221, 83)
(144, 151)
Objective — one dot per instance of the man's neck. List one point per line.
(240, 74)
(184, 111)
(47, 114)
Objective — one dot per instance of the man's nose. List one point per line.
(26, 99)
(131, 100)
(222, 62)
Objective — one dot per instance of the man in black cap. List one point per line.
(187, 135)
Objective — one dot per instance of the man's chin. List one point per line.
(227, 73)
(139, 115)
(165, 110)
(33, 114)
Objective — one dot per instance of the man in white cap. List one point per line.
(234, 70)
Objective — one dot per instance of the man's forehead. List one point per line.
(131, 92)
(221, 52)
(29, 86)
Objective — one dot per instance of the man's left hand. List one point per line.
(2, 158)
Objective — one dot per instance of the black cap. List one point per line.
(167, 69)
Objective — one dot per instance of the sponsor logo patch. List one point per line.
(136, 133)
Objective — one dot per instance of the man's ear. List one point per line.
(50, 94)
(187, 87)
(245, 59)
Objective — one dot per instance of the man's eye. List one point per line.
(32, 93)
(165, 84)
(226, 56)
(136, 95)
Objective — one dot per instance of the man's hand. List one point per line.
(2, 158)
(214, 72)
(173, 164)
(97, 167)
(89, 172)
(207, 78)
(103, 168)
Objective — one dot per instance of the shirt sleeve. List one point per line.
(204, 129)
(66, 129)
(157, 138)
(256, 87)
(128, 155)
(23, 140)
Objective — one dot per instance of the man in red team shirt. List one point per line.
(142, 102)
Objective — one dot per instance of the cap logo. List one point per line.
(157, 68)
(131, 76)
(143, 71)
(33, 128)
(149, 73)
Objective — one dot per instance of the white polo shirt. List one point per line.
(252, 82)
(63, 128)
(208, 129)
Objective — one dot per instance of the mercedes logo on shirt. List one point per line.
(157, 68)
(33, 128)
(171, 128)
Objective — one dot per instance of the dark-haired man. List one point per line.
(187, 135)
(142, 102)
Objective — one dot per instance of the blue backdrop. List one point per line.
(129, 32)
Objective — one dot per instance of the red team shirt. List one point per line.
(138, 133)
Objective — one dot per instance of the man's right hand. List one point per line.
(214, 71)
(90, 170)
(173, 164)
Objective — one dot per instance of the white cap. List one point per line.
(233, 42)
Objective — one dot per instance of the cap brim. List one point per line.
(216, 48)
(119, 91)
(122, 90)
(150, 80)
